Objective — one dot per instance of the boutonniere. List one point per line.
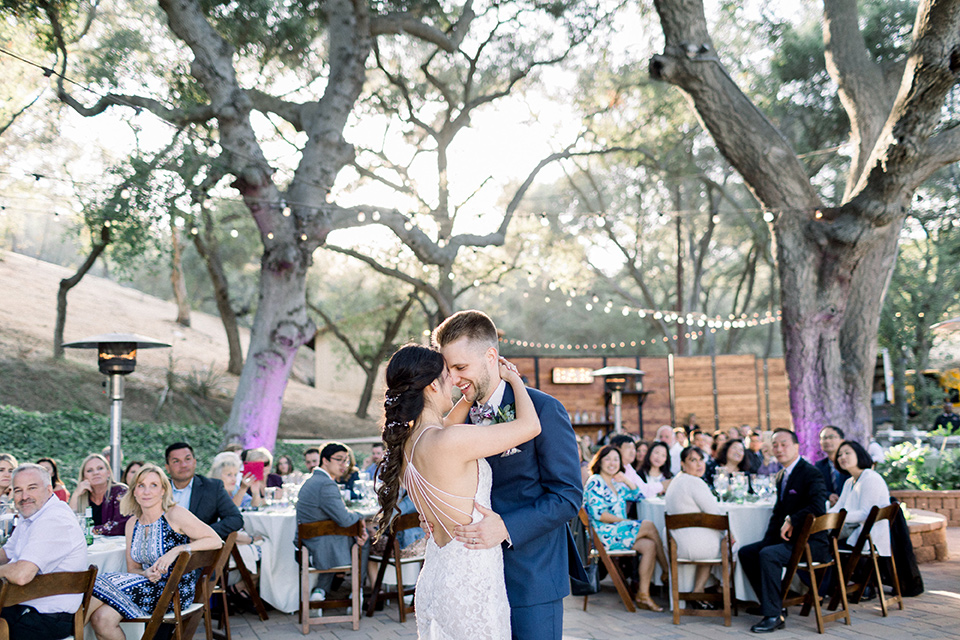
(505, 414)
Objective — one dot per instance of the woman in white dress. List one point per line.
(461, 593)
(864, 489)
(688, 493)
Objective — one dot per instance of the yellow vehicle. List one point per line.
(947, 381)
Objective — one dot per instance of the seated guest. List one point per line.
(226, 467)
(753, 455)
(349, 478)
(688, 493)
(833, 476)
(130, 471)
(158, 532)
(703, 441)
(628, 456)
(371, 468)
(864, 489)
(691, 424)
(287, 472)
(204, 497)
(655, 469)
(47, 540)
(770, 466)
(320, 499)
(666, 435)
(59, 489)
(731, 459)
(7, 464)
(262, 454)
(800, 492)
(605, 499)
(719, 439)
(680, 435)
(97, 490)
(642, 447)
(311, 459)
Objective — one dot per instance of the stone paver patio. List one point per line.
(933, 615)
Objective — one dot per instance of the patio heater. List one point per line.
(615, 379)
(117, 355)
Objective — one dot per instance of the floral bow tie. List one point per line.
(480, 413)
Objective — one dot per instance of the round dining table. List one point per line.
(748, 523)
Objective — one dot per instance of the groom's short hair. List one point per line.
(472, 324)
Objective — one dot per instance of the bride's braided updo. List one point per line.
(411, 369)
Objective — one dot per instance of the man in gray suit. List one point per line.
(320, 499)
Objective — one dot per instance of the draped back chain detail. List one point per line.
(426, 493)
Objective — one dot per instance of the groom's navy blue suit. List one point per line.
(536, 492)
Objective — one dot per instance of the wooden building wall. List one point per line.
(723, 392)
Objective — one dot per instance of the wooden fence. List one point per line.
(723, 391)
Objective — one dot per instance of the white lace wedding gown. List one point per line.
(461, 593)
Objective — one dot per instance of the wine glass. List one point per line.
(721, 483)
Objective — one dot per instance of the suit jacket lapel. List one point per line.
(195, 494)
(508, 397)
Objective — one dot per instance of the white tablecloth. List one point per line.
(279, 572)
(748, 523)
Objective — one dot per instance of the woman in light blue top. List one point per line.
(605, 499)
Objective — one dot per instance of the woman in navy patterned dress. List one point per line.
(158, 532)
(605, 498)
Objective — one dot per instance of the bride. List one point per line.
(440, 462)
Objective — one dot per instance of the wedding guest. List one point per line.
(288, 473)
(655, 469)
(734, 433)
(688, 493)
(130, 472)
(719, 439)
(97, 490)
(864, 489)
(350, 476)
(642, 447)
(730, 459)
(584, 463)
(681, 437)
(800, 491)
(226, 467)
(311, 459)
(691, 424)
(320, 499)
(371, 468)
(605, 499)
(833, 476)
(158, 532)
(948, 420)
(59, 489)
(703, 441)
(753, 455)
(204, 497)
(262, 454)
(7, 464)
(47, 540)
(770, 465)
(628, 456)
(666, 436)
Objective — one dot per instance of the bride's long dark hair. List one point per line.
(411, 369)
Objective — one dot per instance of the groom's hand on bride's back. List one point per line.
(488, 532)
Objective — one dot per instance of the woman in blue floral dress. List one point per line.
(605, 498)
(158, 532)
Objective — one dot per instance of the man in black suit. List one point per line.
(205, 497)
(830, 440)
(800, 491)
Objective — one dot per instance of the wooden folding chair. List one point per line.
(248, 579)
(725, 561)
(613, 568)
(865, 540)
(185, 619)
(309, 530)
(51, 584)
(802, 559)
(218, 587)
(392, 556)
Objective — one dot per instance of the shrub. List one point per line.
(914, 466)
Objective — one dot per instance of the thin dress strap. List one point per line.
(429, 494)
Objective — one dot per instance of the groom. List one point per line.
(536, 486)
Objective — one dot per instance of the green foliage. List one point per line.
(918, 467)
(69, 436)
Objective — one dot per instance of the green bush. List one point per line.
(69, 436)
(918, 467)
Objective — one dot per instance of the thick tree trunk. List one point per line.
(69, 283)
(177, 280)
(281, 326)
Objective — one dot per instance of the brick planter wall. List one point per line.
(928, 533)
(946, 503)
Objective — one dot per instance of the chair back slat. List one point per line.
(306, 530)
(406, 521)
(53, 584)
(829, 522)
(699, 520)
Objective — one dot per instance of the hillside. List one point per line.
(202, 391)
